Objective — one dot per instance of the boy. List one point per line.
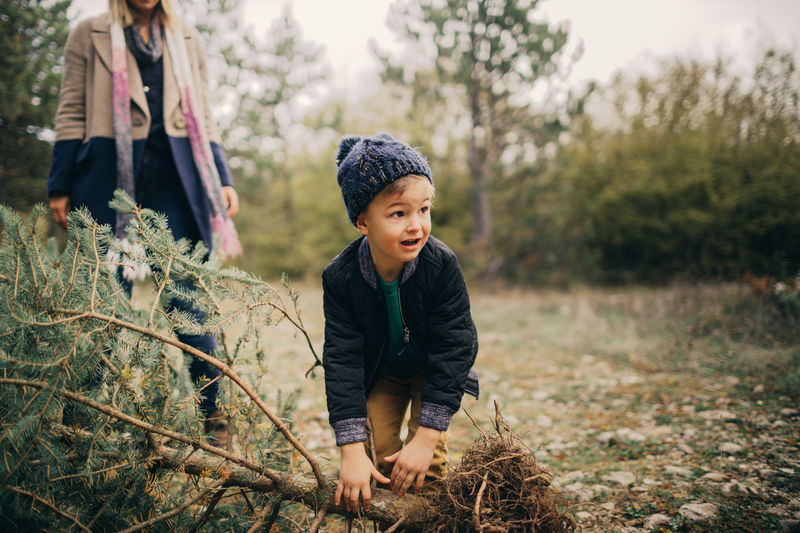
(398, 327)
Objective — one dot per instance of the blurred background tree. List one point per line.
(490, 54)
(695, 172)
(32, 36)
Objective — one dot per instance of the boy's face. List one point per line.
(397, 227)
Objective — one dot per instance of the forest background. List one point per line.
(643, 400)
(688, 170)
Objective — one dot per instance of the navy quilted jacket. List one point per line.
(435, 308)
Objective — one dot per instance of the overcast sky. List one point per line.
(615, 33)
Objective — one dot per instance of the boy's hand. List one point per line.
(354, 476)
(412, 462)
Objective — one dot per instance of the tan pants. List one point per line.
(386, 409)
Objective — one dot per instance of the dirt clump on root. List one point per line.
(498, 486)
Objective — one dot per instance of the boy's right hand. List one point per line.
(354, 476)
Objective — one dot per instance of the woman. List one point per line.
(134, 114)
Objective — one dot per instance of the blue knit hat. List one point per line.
(368, 164)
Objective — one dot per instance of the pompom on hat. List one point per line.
(368, 164)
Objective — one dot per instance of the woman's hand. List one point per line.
(354, 476)
(412, 462)
(231, 200)
(59, 206)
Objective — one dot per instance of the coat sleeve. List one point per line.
(343, 361)
(220, 161)
(70, 120)
(452, 347)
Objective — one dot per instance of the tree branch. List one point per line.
(176, 510)
(476, 514)
(209, 509)
(270, 511)
(318, 521)
(116, 413)
(225, 369)
(51, 505)
(387, 508)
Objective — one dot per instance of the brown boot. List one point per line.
(216, 427)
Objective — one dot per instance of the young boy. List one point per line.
(398, 327)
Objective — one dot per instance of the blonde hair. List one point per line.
(400, 185)
(120, 12)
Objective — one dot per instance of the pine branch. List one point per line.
(299, 326)
(270, 511)
(69, 335)
(176, 510)
(157, 297)
(387, 508)
(320, 518)
(32, 444)
(209, 510)
(119, 415)
(51, 505)
(123, 464)
(222, 367)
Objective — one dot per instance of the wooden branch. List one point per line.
(209, 510)
(116, 413)
(176, 510)
(476, 513)
(396, 525)
(318, 521)
(270, 511)
(317, 360)
(51, 505)
(387, 508)
(222, 367)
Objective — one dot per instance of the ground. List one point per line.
(660, 409)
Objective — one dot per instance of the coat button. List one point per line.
(180, 123)
(138, 121)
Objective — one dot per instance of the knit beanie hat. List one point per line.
(368, 164)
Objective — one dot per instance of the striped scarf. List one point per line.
(221, 223)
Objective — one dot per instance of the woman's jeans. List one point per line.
(158, 187)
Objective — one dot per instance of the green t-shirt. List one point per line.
(403, 361)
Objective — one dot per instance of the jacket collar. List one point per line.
(101, 37)
(367, 266)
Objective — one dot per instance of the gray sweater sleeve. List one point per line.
(349, 430)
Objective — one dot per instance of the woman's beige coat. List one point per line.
(84, 155)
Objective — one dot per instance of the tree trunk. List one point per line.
(386, 509)
(478, 165)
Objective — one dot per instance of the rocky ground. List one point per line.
(648, 412)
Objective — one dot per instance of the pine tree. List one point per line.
(489, 55)
(73, 346)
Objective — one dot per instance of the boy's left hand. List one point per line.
(411, 463)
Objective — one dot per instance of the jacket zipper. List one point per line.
(406, 331)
